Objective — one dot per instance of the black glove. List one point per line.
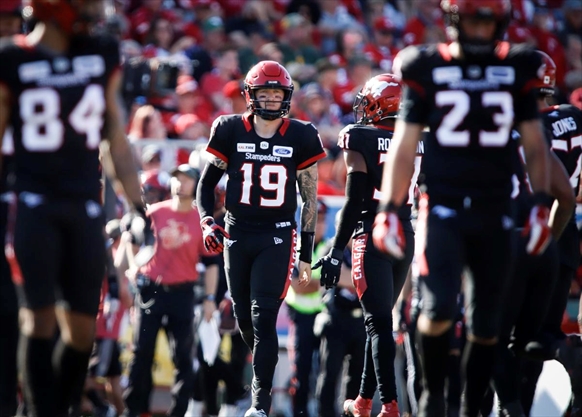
(331, 266)
(139, 225)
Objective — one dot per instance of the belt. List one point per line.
(467, 202)
(145, 281)
(183, 286)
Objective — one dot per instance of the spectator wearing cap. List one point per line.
(191, 101)
(382, 50)
(203, 54)
(327, 74)
(225, 70)
(151, 157)
(304, 304)
(318, 106)
(190, 127)
(427, 25)
(165, 284)
(235, 102)
(296, 41)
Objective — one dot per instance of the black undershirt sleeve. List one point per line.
(205, 191)
(356, 186)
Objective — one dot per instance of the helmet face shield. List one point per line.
(268, 75)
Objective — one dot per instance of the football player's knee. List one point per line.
(242, 312)
(440, 310)
(264, 312)
(483, 331)
(379, 324)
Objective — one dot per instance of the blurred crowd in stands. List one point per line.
(185, 59)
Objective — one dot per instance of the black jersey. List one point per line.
(470, 108)
(262, 173)
(563, 126)
(373, 142)
(58, 112)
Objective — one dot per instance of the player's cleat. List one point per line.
(253, 412)
(389, 410)
(360, 407)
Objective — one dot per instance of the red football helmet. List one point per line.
(70, 16)
(378, 99)
(155, 185)
(546, 75)
(268, 74)
(498, 10)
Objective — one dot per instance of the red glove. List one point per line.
(538, 230)
(388, 235)
(213, 235)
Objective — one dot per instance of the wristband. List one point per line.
(306, 248)
(208, 220)
(542, 198)
(388, 207)
(209, 297)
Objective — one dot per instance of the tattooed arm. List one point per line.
(307, 181)
(217, 162)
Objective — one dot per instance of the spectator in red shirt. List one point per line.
(427, 25)
(382, 49)
(191, 101)
(225, 70)
(142, 17)
(190, 127)
(542, 26)
(358, 72)
(165, 286)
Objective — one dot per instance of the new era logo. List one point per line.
(278, 240)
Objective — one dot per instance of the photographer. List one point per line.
(166, 296)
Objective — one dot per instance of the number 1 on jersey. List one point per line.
(417, 162)
(267, 171)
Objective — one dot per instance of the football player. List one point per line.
(563, 125)
(59, 96)
(265, 156)
(376, 276)
(534, 277)
(470, 95)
